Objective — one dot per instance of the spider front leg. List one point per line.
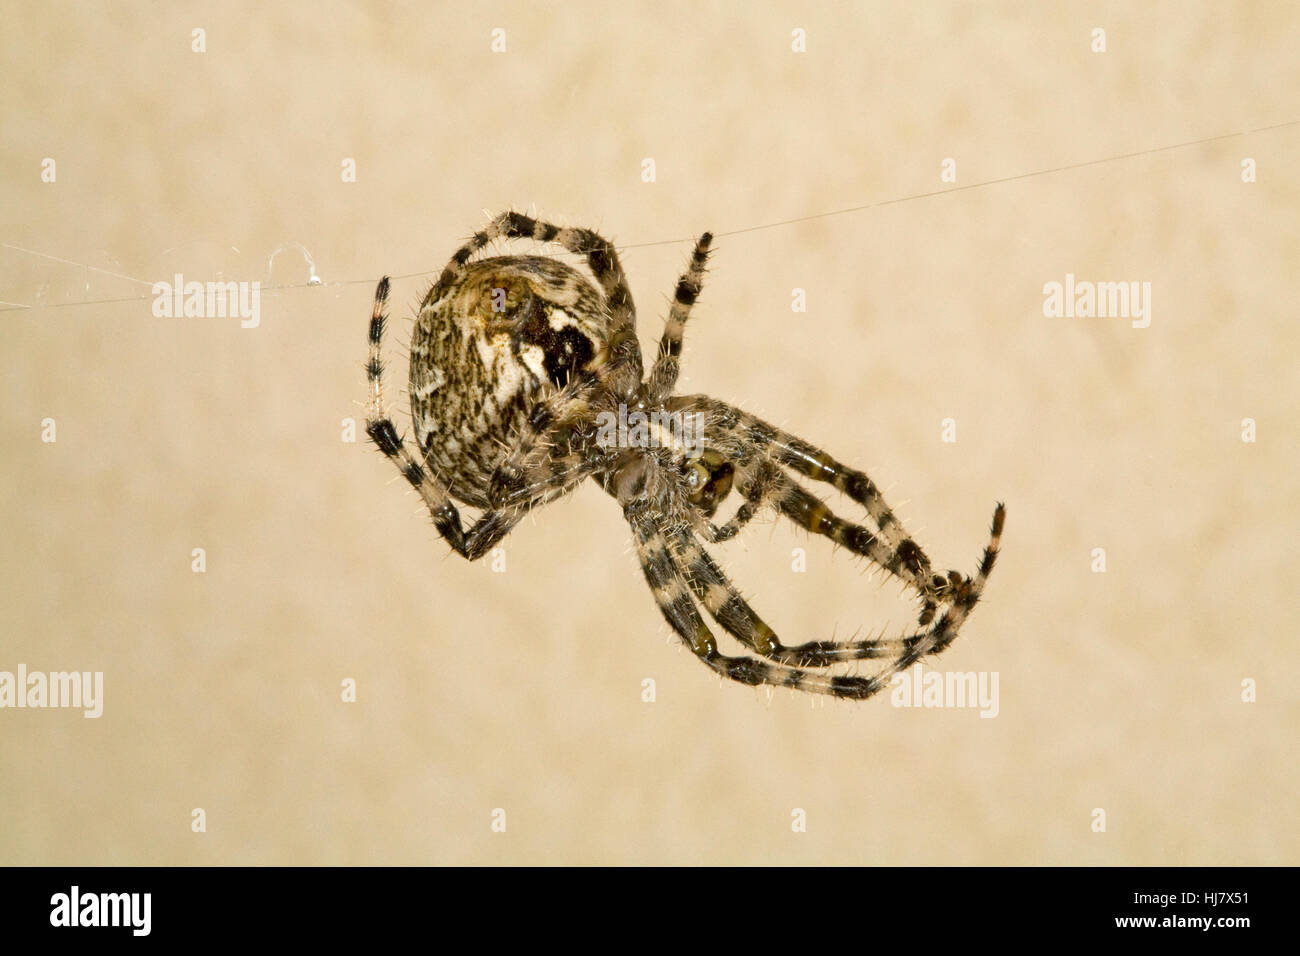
(760, 484)
(813, 514)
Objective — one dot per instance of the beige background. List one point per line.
(522, 690)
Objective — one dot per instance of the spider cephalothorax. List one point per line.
(526, 378)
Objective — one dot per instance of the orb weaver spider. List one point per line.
(516, 360)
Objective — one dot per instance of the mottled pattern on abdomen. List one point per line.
(509, 333)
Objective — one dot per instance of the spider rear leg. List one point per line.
(544, 474)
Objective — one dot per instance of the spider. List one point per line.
(514, 363)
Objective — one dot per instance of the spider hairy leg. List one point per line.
(752, 438)
(725, 604)
(767, 485)
(663, 375)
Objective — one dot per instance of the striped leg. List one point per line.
(812, 514)
(712, 588)
(622, 372)
(773, 487)
(756, 435)
(671, 592)
(758, 494)
(492, 525)
(663, 375)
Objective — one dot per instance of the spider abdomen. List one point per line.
(508, 333)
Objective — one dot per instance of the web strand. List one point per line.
(847, 210)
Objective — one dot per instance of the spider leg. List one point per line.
(812, 514)
(763, 483)
(492, 525)
(545, 472)
(673, 595)
(712, 588)
(766, 484)
(533, 457)
(751, 434)
(622, 373)
(663, 374)
(758, 486)
(755, 499)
